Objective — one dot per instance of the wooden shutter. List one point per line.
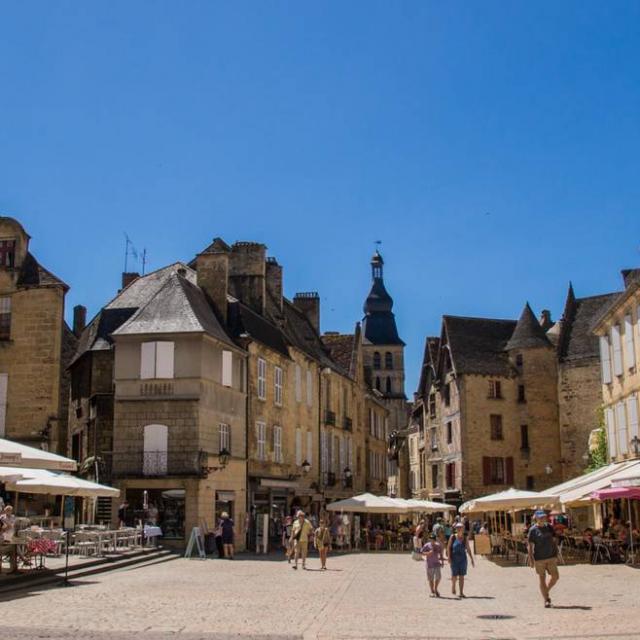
(147, 360)
(298, 446)
(509, 464)
(605, 359)
(632, 412)
(164, 359)
(309, 447)
(4, 380)
(617, 349)
(629, 346)
(486, 470)
(227, 368)
(611, 432)
(623, 440)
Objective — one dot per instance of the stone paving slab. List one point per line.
(372, 596)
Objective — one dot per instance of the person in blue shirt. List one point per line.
(543, 554)
(457, 551)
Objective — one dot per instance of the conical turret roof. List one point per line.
(528, 333)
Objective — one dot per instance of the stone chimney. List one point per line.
(309, 303)
(128, 278)
(545, 319)
(212, 269)
(629, 276)
(247, 274)
(79, 319)
(274, 285)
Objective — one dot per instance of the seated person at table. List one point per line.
(587, 535)
(8, 524)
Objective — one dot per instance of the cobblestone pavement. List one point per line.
(371, 596)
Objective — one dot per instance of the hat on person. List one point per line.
(300, 513)
(540, 513)
(458, 525)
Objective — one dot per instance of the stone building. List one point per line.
(383, 355)
(618, 331)
(36, 345)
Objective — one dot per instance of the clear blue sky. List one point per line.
(492, 146)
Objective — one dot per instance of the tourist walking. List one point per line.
(300, 533)
(543, 554)
(322, 540)
(457, 551)
(434, 559)
(226, 526)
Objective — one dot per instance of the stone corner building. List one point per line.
(35, 345)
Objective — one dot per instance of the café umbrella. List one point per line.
(61, 484)
(616, 493)
(15, 454)
(368, 503)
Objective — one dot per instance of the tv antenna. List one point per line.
(130, 250)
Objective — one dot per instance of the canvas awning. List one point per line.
(368, 503)
(20, 455)
(509, 500)
(577, 491)
(60, 484)
(424, 506)
(11, 474)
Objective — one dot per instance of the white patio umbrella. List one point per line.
(61, 484)
(20, 455)
(428, 506)
(368, 503)
(11, 474)
(509, 500)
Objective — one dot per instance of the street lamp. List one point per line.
(548, 469)
(635, 445)
(306, 466)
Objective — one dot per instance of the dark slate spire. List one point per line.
(379, 324)
(528, 332)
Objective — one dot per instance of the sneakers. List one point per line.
(547, 604)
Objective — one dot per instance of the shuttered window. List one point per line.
(298, 446)
(629, 344)
(4, 383)
(261, 440)
(5, 318)
(277, 382)
(632, 413)
(277, 443)
(262, 379)
(621, 419)
(617, 350)
(309, 447)
(605, 360)
(224, 437)
(309, 388)
(324, 452)
(156, 360)
(497, 470)
(298, 383)
(450, 470)
(496, 426)
(227, 368)
(610, 423)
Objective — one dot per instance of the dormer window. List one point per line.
(7, 253)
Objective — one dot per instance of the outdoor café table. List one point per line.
(152, 533)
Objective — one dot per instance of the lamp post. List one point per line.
(306, 467)
(635, 445)
(548, 469)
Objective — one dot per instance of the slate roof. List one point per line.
(528, 333)
(478, 344)
(577, 341)
(342, 349)
(33, 274)
(244, 320)
(178, 307)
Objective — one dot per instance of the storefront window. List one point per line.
(165, 508)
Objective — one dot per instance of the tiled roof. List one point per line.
(342, 349)
(577, 341)
(178, 307)
(33, 274)
(243, 320)
(478, 344)
(528, 333)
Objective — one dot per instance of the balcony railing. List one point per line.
(157, 464)
(347, 424)
(330, 418)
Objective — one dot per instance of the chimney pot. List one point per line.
(79, 319)
(308, 302)
(128, 278)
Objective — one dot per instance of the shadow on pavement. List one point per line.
(571, 606)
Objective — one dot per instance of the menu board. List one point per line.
(482, 544)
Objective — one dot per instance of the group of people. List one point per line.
(297, 535)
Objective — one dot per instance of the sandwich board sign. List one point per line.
(196, 543)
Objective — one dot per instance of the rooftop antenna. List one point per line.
(128, 249)
(377, 243)
(144, 259)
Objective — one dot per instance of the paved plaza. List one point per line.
(361, 596)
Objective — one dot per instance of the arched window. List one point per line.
(388, 385)
(388, 360)
(376, 360)
(154, 460)
(378, 383)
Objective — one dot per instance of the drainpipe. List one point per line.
(246, 451)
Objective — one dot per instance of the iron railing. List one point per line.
(156, 464)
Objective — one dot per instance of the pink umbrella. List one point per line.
(613, 493)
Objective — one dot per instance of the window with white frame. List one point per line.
(227, 368)
(629, 343)
(309, 388)
(605, 360)
(155, 441)
(261, 440)
(224, 433)
(621, 419)
(298, 446)
(277, 385)
(262, 379)
(4, 383)
(309, 447)
(632, 414)
(156, 360)
(277, 443)
(617, 350)
(298, 383)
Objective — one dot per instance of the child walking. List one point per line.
(433, 554)
(322, 539)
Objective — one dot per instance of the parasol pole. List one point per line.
(633, 559)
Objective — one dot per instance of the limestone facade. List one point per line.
(35, 345)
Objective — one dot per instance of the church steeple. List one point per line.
(379, 324)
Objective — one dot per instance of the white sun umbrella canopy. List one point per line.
(61, 484)
(11, 474)
(20, 455)
(368, 503)
(428, 506)
(510, 500)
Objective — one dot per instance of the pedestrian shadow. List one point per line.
(571, 606)
(479, 598)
